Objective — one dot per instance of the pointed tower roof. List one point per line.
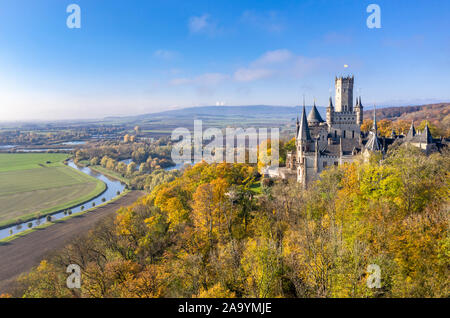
(426, 135)
(303, 130)
(358, 102)
(373, 144)
(314, 116)
(412, 131)
(330, 103)
(375, 126)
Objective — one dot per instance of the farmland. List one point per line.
(39, 183)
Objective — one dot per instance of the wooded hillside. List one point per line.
(438, 115)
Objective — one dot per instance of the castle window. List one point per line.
(335, 134)
(353, 134)
(324, 164)
(335, 163)
(344, 134)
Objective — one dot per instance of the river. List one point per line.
(112, 187)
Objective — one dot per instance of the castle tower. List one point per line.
(330, 111)
(303, 137)
(303, 130)
(344, 94)
(359, 109)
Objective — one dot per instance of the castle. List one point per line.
(339, 139)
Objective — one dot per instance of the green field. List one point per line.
(39, 183)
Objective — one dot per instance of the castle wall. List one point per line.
(325, 162)
(346, 159)
(344, 125)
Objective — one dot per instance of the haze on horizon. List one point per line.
(141, 57)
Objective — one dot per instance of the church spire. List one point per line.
(375, 126)
(412, 131)
(427, 134)
(373, 143)
(303, 131)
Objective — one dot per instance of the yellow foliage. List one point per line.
(216, 291)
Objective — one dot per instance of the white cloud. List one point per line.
(337, 38)
(269, 21)
(202, 24)
(212, 78)
(303, 65)
(180, 81)
(205, 84)
(281, 63)
(276, 56)
(206, 79)
(251, 74)
(166, 54)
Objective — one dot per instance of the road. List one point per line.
(21, 254)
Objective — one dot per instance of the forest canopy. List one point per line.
(207, 234)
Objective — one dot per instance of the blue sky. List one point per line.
(132, 57)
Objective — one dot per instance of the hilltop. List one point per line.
(429, 112)
(249, 111)
(438, 115)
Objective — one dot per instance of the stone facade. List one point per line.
(319, 143)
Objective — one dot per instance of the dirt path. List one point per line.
(21, 254)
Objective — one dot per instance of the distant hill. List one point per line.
(437, 115)
(251, 111)
(162, 123)
(416, 113)
(257, 116)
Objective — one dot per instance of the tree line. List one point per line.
(208, 234)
